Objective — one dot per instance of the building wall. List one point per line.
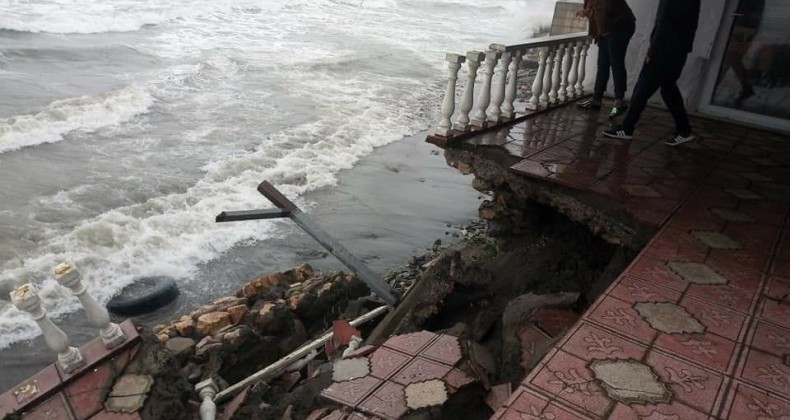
(692, 80)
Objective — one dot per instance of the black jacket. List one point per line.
(676, 26)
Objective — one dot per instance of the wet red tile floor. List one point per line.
(702, 313)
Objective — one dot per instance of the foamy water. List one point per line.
(128, 125)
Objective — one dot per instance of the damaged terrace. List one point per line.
(608, 280)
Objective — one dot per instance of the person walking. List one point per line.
(670, 43)
(612, 24)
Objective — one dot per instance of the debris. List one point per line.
(426, 394)
(498, 395)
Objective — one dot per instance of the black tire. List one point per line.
(144, 295)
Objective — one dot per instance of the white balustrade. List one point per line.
(573, 76)
(473, 60)
(508, 108)
(26, 298)
(111, 334)
(544, 97)
(555, 76)
(498, 94)
(566, 68)
(585, 45)
(537, 85)
(207, 390)
(479, 118)
(559, 78)
(445, 128)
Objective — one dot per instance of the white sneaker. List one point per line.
(680, 139)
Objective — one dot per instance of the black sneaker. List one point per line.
(590, 104)
(618, 110)
(680, 139)
(617, 132)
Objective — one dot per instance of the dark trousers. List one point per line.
(611, 54)
(662, 73)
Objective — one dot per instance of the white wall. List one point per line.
(691, 82)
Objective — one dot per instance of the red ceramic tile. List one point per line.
(445, 349)
(730, 296)
(746, 402)
(52, 409)
(554, 320)
(766, 371)
(389, 402)
(526, 401)
(86, 394)
(556, 411)
(569, 379)
(771, 338)
(778, 288)
(457, 379)
(717, 320)
(709, 350)
(657, 272)
(589, 342)
(619, 316)
(350, 393)
(775, 312)
(690, 384)
(420, 370)
(32, 391)
(674, 411)
(384, 362)
(634, 290)
(411, 343)
(533, 343)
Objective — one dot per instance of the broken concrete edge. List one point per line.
(612, 224)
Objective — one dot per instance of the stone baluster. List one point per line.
(498, 94)
(445, 128)
(26, 298)
(573, 76)
(544, 97)
(566, 68)
(537, 84)
(207, 390)
(508, 108)
(584, 47)
(479, 118)
(555, 76)
(473, 59)
(68, 276)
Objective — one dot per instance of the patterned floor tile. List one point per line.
(445, 349)
(771, 338)
(747, 402)
(617, 315)
(569, 379)
(673, 411)
(412, 343)
(765, 371)
(717, 320)
(657, 271)
(420, 370)
(589, 342)
(730, 296)
(690, 384)
(709, 350)
(634, 290)
(388, 402)
(351, 393)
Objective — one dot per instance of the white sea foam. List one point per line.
(374, 75)
(64, 116)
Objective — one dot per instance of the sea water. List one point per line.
(127, 125)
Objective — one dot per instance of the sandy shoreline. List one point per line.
(393, 204)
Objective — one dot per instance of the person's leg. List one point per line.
(602, 75)
(618, 47)
(648, 83)
(674, 99)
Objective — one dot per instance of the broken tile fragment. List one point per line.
(426, 394)
(348, 369)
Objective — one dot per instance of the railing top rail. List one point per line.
(547, 40)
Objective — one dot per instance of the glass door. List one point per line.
(750, 80)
